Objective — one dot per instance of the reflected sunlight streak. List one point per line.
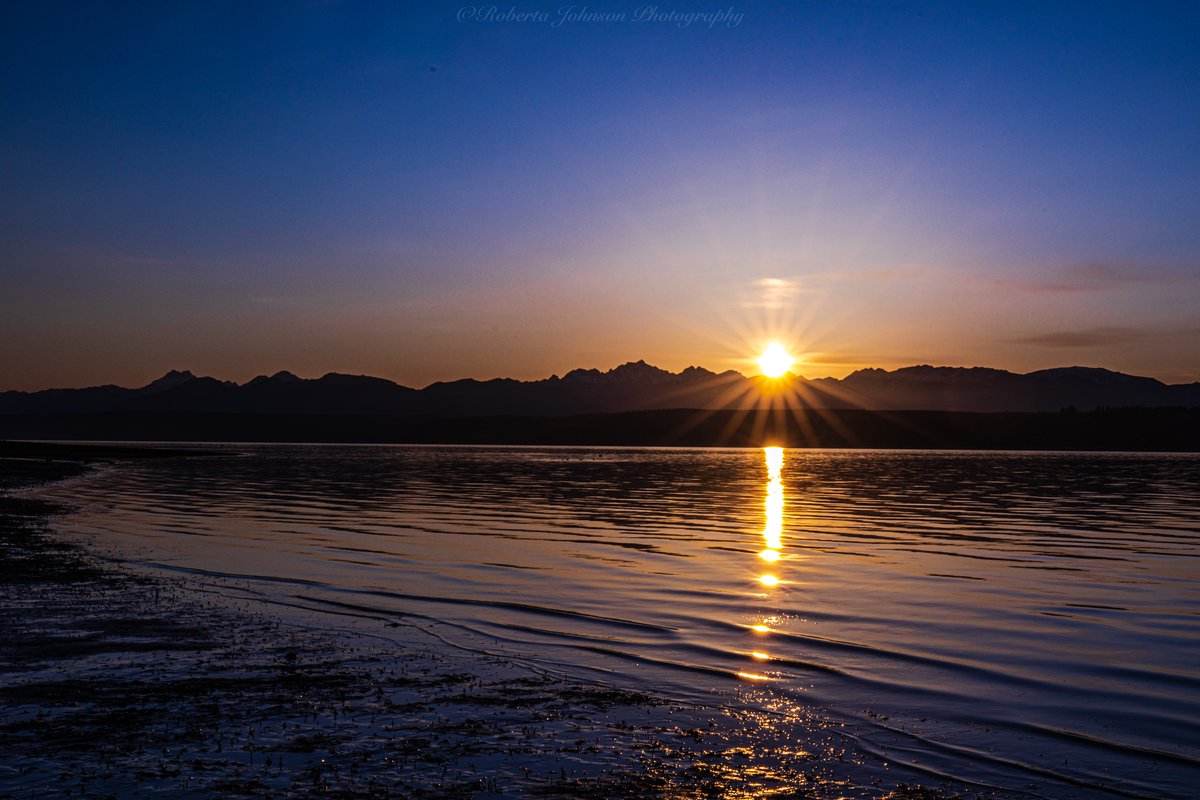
(774, 456)
(773, 530)
(772, 533)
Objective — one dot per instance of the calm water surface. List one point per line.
(1026, 621)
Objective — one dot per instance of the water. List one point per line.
(1025, 621)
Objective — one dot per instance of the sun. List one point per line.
(775, 361)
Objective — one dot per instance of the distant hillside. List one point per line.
(635, 386)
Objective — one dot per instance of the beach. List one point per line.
(122, 684)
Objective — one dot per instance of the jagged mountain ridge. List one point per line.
(632, 386)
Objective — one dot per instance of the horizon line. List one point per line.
(556, 376)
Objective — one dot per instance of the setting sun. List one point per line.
(775, 361)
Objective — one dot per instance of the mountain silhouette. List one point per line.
(634, 386)
(169, 381)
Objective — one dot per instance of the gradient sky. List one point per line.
(421, 191)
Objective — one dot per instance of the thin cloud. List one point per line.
(1096, 277)
(773, 293)
(777, 293)
(1081, 338)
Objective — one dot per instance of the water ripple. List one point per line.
(1005, 619)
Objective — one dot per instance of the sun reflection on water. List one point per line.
(773, 530)
(773, 538)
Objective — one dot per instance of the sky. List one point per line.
(430, 191)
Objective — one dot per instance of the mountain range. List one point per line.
(635, 386)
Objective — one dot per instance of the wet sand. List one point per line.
(119, 684)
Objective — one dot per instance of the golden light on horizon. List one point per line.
(775, 361)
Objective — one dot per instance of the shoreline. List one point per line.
(1167, 429)
(119, 683)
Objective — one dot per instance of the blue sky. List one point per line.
(424, 192)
